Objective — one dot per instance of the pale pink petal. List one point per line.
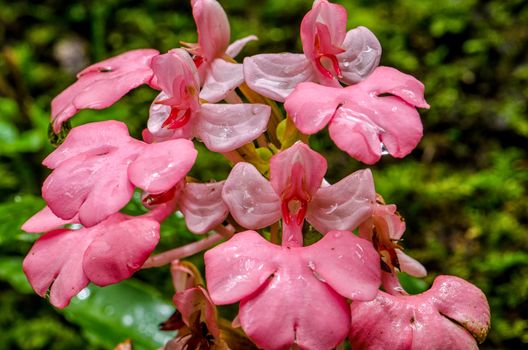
(295, 308)
(202, 206)
(362, 55)
(276, 75)
(448, 316)
(120, 249)
(213, 28)
(102, 84)
(221, 78)
(160, 166)
(312, 168)
(238, 267)
(349, 264)
(312, 106)
(64, 261)
(409, 265)
(250, 198)
(178, 78)
(225, 127)
(344, 205)
(44, 221)
(236, 46)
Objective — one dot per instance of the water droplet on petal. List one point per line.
(338, 234)
(127, 320)
(84, 294)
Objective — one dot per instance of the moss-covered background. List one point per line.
(463, 191)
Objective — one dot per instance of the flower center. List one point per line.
(177, 118)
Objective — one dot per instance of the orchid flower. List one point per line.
(177, 111)
(453, 314)
(331, 54)
(102, 84)
(213, 54)
(293, 294)
(363, 121)
(295, 192)
(64, 261)
(98, 165)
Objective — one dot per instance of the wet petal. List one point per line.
(213, 28)
(202, 206)
(221, 78)
(102, 84)
(409, 265)
(276, 75)
(250, 197)
(344, 205)
(45, 221)
(225, 127)
(158, 114)
(362, 55)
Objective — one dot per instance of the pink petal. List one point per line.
(312, 164)
(102, 84)
(238, 267)
(202, 206)
(213, 28)
(225, 127)
(426, 320)
(160, 166)
(158, 114)
(409, 265)
(45, 221)
(221, 78)
(64, 261)
(194, 300)
(312, 106)
(362, 55)
(178, 78)
(121, 248)
(250, 197)
(344, 205)
(236, 46)
(276, 75)
(349, 264)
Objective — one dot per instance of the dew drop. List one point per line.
(84, 294)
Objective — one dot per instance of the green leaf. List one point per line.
(11, 272)
(412, 284)
(130, 309)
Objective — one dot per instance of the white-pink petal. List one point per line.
(213, 28)
(221, 78)
(236, 46)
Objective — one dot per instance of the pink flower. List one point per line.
(293, 295)
(451, 315)
(177, 111)
(211, 54)
(102, 84)
(98, 165)
(64, 261)
(295, 192)
(330, 53)
(362, 119)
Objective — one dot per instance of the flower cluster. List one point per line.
(289, 293)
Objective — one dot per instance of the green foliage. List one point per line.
(462, 192)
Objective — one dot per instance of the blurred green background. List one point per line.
(462, 191)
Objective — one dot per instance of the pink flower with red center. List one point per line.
(177, 111)
(331, 54)
(364, 119)
(453, 314)
(291, 294)
(295, 191)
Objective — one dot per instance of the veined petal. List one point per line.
(312, 106)
(282, 166)
(362, 55)
(236, 46)
(162, 165)
(213, 28)
(425, 320)
(221, 78)
(250, 197)
(344, 205)
(276, 75)
(102, 84)
(202, 206)
(225, 127)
